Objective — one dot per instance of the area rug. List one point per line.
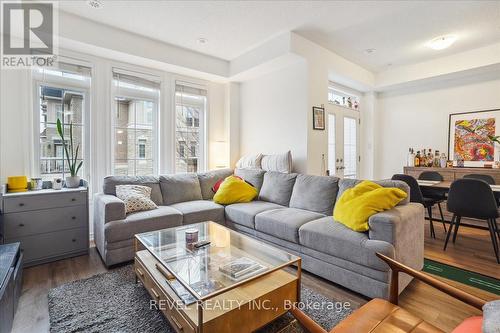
(112, 302)
(469, 278)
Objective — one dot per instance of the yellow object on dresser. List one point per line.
(17, 184)
(357, 204)
(234, 190)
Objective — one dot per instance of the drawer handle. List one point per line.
(176, 323)
(73, 199)
(140, 272)
(73, 240)
(156, 295)
(73, 217)
(21, 224)
(21, 204)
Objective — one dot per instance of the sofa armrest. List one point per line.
(108, 208)
(403, 227)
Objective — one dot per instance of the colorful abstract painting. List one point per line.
(471, 139)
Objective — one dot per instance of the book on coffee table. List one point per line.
(239, 268)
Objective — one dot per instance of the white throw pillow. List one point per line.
(278, 162)
(249, 162)
(135, 197)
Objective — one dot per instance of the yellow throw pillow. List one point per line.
(234, 190)
(357, 204)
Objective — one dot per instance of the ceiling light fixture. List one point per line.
(370, 51)
(94, 3)
(202, 41)
(442, 42)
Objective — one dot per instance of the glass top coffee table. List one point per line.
(229, 266)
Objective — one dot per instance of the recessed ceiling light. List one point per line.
(94, 3)
(442, 42)
(369, 51)
(202, 41)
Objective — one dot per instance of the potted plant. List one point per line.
(74, 166)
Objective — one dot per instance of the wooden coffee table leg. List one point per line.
(299, 277)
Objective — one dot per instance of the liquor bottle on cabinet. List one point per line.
(430, 158)
(417, 159)
(411, 158)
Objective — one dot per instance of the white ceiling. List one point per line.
(398, 30)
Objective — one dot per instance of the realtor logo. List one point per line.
(28, 34)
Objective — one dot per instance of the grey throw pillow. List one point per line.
(136, 197)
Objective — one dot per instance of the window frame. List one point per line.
(137, 95)
(66, 84)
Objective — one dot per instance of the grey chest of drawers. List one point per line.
(49, 224)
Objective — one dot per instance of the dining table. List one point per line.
(445, 185)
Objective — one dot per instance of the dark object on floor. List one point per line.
(417, 196)
(473, 198)
(382, 316)
(463, 276)
(112, 302)
(11, 277)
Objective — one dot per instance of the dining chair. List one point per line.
(439, 195)
(416, 196)
(487, 178)
(473, 198)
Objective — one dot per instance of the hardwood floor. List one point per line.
(472, 251)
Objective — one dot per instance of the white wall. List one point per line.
(418, 118)
(274, 114)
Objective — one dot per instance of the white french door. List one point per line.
(343, 142)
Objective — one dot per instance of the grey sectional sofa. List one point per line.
(293, 211)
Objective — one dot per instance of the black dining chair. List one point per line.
(416, 196)
(486, 178)
(473, 198)
(438, 195)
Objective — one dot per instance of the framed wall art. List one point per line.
(318, 118)
(469, 137)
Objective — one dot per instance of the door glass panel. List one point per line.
(332, 154)
(350, 147)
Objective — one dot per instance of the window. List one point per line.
(135, 105)
(190, 109)
(342, 98)
(62, 93)
(142, 148)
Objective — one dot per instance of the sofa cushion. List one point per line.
(110, 183)
(234, 190)
(277, 187)
(249, 161)
(277, 162)
(200, 211)
(315, 193)
(180, 187)
(136, 223)
(284, 223)
(208, 179)
(244, 213)
(135, 197)
(330, 237)
(345, 184)
(253, 176)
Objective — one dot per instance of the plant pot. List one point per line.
(73, 182)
